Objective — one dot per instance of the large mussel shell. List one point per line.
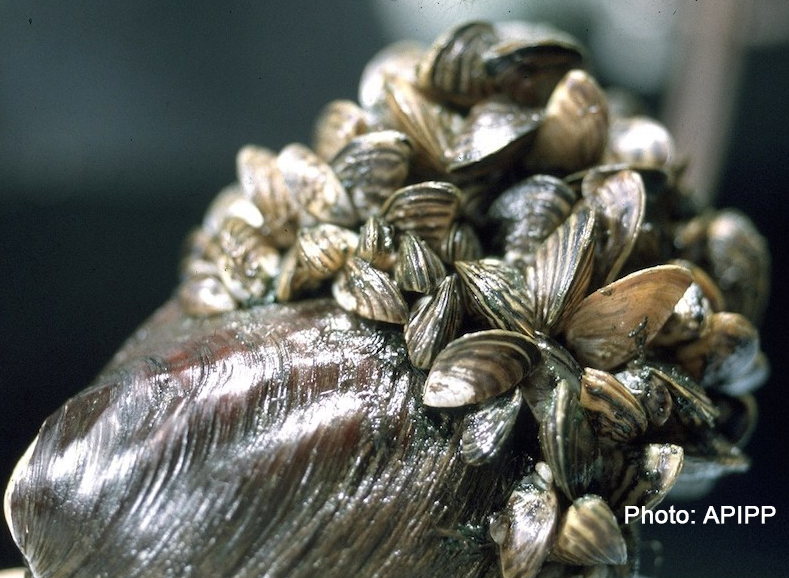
(283, 438)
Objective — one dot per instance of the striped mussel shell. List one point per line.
(640, 141)
(562, 270)
(323, 249)
(370, 293)
(434, 322)
(528, 212)
(525, 530)
(690, 319)
(613, 410)
(423, 121)
(231, 201)
(317, 190)
(530, 59)
(460, 243)
(452, 68)
(640, 476)
(495, 133)
(610, 325)
(478, 366)
(487, 429)
(691, 405)
(652, 393)
(377, 244)
(371, 167)
(205, 295)
(294, 278)
(574, 131)
(425, 209)
(398, 60)
(417, 267)
(246, 263)
(568, 442)
(496, 292)
(262, 181)
(619, 203)
(556, 364)
(339, 122)
(589, 534)
(727, 357)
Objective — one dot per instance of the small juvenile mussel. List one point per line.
(567, 310)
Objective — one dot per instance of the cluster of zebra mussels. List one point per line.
(531, 236)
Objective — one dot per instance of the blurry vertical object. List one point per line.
(704, 88)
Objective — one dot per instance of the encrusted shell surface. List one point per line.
(257, 439)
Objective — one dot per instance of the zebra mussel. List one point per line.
(541, 265)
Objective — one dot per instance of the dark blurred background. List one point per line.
(120, 121)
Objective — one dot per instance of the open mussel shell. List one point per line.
(589, 534)
(530, 59)
(282, 438)
(526, 529)
(479, 366)
(611, 324)
(496, 131)
(691, 404)
(556, 364)
(619, 203)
